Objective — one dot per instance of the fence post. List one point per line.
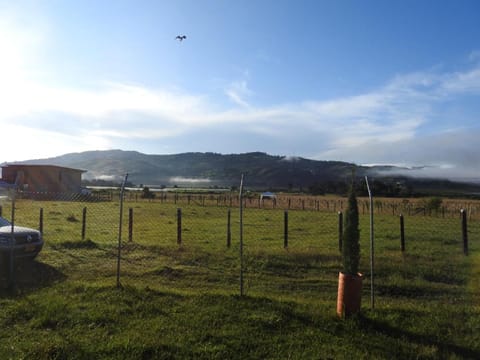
(179, 226)
(40, 221)
(229, 232)
(285, 229)
(130, 224)
(1, 210)
(402, 233)
(372, 246)
(340, 231)
(240, 199)
(84, 222)
(120, 224)
(464, 231)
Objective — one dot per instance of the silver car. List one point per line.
(25, 242)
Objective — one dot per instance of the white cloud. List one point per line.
(238, 92)
(359, 128)
(462, 82)
(474, 56)
(22, 142)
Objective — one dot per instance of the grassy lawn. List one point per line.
(182, 301)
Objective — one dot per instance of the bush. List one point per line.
(433, 204)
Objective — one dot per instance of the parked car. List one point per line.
(27, 242)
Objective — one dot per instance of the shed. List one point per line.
(43, 178)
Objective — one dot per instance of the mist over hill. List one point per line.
(203, 168)
(262, 171)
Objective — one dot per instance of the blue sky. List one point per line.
(370, 82)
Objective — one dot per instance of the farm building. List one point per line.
(43, 178)
(268, 195)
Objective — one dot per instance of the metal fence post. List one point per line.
(11, 262)
(241, 234)
(120, 223)
(372, 247)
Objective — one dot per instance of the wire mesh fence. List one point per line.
(192, 242)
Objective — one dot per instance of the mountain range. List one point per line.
(262, 171)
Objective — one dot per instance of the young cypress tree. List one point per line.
(351, 236)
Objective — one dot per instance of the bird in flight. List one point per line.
(181, 37)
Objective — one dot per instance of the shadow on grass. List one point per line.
(446, 349)
(84, 244)
(28, 276)
(413, 291)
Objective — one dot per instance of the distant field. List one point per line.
(449, 207)
(181, 301)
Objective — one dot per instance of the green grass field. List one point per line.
(182, 301)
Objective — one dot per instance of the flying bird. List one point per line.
(181, 37)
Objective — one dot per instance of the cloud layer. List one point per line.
(393, 124)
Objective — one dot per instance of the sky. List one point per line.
(369, 82)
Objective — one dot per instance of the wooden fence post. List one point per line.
(40, 221)
(179, 226)
(84, 222)
(1, 210)
(402, 233)
(229, 232)
(340, 231)
(285, 229)
(464, 231)
(130, 224)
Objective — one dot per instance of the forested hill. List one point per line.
(262, 171)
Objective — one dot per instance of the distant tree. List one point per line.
(316, 189)
(147, 194)
(433, 204)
